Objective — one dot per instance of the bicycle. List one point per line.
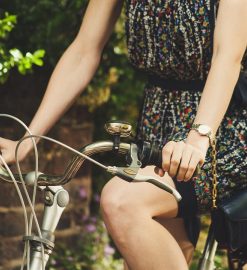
(56, 197)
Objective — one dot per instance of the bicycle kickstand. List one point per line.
(56, 199)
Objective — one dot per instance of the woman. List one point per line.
(170, 40)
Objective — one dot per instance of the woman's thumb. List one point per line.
(5, 151)
(2, 142)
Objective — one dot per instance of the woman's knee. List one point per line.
(117, 203)
(120, 198)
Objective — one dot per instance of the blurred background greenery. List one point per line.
(33, 35)
(49, 27)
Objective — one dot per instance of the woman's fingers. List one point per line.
(176, 158)
(166, 155)
(196, 159)
(187, 153)
(2, 148)
(7, 150)
(180, 160)
(2, 142)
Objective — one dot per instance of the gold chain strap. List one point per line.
(214, 172)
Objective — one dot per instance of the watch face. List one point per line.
(204, 130)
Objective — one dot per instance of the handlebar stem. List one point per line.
(56, 199)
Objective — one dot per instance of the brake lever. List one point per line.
(134, 164)
(131, 174)
(158, 183)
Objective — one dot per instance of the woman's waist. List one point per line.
(175, 84)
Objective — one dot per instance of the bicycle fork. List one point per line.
(56, 200)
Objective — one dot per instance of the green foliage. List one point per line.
(219, 260)
(47, 24)
(52, 24)
(92, 251)
(10, 58)
(7, 24)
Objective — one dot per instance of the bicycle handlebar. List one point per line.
(72, 167)
(148, 155)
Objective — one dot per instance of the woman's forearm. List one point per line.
(218, 91)
(70, 77)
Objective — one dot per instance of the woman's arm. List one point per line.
(73, 72)
(230, 42)
(78, 64)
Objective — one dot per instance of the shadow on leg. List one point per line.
(176, 228)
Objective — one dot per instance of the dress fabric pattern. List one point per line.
(172, 39)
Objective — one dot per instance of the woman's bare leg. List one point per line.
(177, 230)
(128, 211)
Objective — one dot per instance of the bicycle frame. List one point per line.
(207, 260)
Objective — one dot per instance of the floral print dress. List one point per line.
(172, 40)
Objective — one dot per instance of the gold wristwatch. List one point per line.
(203, 130)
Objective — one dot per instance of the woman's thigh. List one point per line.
(145, 197)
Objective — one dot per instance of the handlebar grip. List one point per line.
(149, 154)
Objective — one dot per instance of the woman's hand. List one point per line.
(7, 148)
(180, 159)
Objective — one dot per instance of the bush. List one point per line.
(52, 25)
(10, 58)
(92, 251)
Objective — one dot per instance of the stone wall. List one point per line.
(20, 97)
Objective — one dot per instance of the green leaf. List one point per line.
(17, 54)
(39, 54)
(38, 62)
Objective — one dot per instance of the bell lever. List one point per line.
(118, 129)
